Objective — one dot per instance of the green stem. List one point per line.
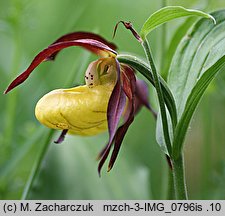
(159, 94)
(170, 187)
(37, 166)
(170, 195)
(179, 178)
(163, 41)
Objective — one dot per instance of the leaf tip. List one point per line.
(213, 19)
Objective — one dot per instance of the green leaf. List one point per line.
(193, 101)
(200, 48)
(198, 58)
(159, 132)
(169, 13)
(175, 40)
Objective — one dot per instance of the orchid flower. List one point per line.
(111, 93)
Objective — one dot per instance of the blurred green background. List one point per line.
(69, 170)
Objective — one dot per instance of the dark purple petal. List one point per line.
(90, 44)
(115, 110)
(61, 137)
(142, 97)
(119, 138)
(129, 87)
(81, 35)
(116, 106)
(104, 154)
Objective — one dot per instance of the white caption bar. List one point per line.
(112, 207)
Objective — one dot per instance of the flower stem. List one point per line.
(159, 94)
(179, 178)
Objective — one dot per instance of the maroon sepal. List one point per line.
(61, 137)
(129, 81)
(81, 35)
(93, 45)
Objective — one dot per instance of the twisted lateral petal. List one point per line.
(116, 105)
(81, 35)
(126, 87)
(119, 138)
(129, 86)
(93, 45)
(115, 110)
(80, 110)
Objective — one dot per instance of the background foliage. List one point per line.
(69, 171)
